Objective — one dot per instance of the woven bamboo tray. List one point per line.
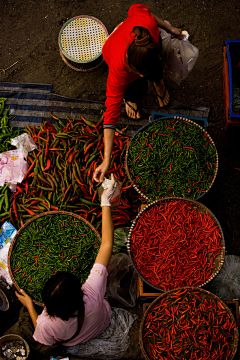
(208, 294)
(31, 220)
(218, 261)
(80, 43)
(13, 337)
(143, 195)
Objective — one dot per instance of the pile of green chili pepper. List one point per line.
(6, 131)
(172, 157)
(60, 174)
(52, 243)
(189, 324)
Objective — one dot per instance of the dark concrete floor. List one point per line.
(29, 35)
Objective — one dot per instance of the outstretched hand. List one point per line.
(100, 172)
(24, 298)
(108, 193)
(177, 32)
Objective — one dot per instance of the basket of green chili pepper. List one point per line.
(188, 323)
(176, 242)
(171, 157)
(50, 242)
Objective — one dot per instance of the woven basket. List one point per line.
(80, 43)
(218, 261)
(144, 196)
(13, 337)
(208, 294)
(31, 220)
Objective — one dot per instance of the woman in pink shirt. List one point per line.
(74, 314)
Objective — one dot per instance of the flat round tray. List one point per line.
(190, 290)
(87, 67)
(81, 39)
(165, 177)
(218, 260)
(57, 252)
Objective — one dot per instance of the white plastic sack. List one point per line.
(13, 167)
(112, 344)
(179, 56)
(122, 280)
(226, 283)
(25, 143)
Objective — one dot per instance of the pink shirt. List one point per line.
(96, 319)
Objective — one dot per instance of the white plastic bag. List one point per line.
(226, 283)
(179, 56)
(24, 143)
(122, 280)
(113, 343)
(13, 167)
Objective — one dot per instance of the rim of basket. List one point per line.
(55, 212)
(220, 257)
(207, 293)
(147, 198)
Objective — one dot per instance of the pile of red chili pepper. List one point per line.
(173, 244)
(189, 324)
(60, 174)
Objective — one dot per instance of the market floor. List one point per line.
(29, 35)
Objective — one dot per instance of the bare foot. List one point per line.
(162, 94)
(132, 110)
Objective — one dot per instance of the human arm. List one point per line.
(108, 144)
(105, 251)
(169, 28)
(27, 301)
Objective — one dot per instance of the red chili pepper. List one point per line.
(15, 209)
(126, 188)
(48, 165)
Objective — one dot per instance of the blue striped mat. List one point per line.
(31, 103)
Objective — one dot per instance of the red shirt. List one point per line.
(114, 53)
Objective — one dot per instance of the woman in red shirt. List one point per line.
(132, 54)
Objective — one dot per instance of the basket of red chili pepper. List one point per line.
(176, 242)
(171, 157)
(50, 242)
(188, 323)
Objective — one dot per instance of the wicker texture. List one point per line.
(31, 220)
(208, 295)
(218, 261)
(143, 195)
(81, 39)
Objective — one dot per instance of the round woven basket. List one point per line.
(80, 43)
(143, 195)
(31, 220)
(218, 261)
(208, 294)
(13, 337)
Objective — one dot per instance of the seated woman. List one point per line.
(132, 54)
(73, 313)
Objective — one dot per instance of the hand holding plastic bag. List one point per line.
(179, 56)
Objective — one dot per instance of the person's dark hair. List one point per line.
(143, 53)
(62, 296)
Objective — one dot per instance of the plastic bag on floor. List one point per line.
(122, 280)
(120, 240)
(113, 343)
(179, 56)
(226, 284)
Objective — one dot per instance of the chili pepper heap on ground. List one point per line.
(60, 174)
